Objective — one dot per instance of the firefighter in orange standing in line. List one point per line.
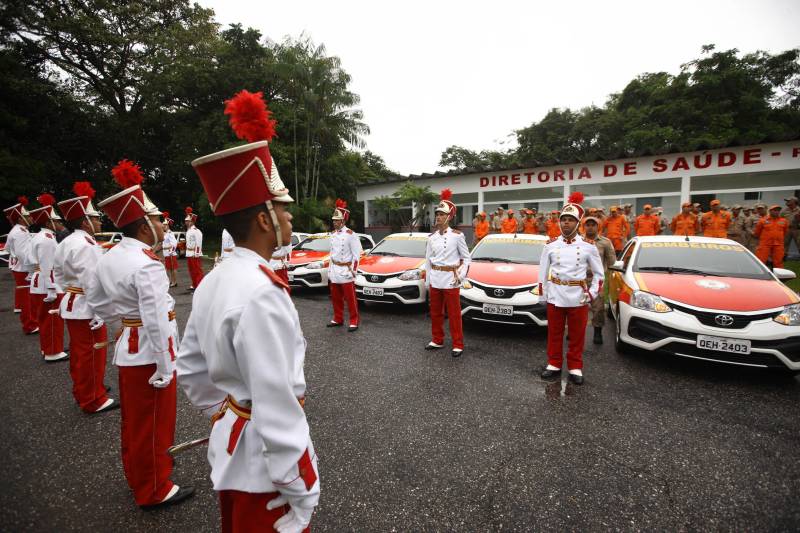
(685, 222)
(647, 223)
(551, 226)
(715, 222)
(481, 227)
(509, 225)
(771, 232)
(616, 228)
(530, 225)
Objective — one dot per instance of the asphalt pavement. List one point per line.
(411, 440)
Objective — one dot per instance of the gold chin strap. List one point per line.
(152, 230)
(274, 217)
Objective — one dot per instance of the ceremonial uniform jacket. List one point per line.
(243, 339)
(570, 260)
(345, 248)
(18, 244)
(131, 283)
(194, 242)
(43, 250)
(280, 257)
(227, 242)
(715, 224)
(75, 262)
(448, 249)
(170, 244)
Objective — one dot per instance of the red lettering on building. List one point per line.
(529, 175)
(503, 180)
(726, 159)
(484, 181)
(609, 170)
(558, 175)
(705, 162)
(796, 151)
(629, 168)
(584, 173)
(660, 165)
(515, 179)
(752, 156)
(680, 163)
(543, 176)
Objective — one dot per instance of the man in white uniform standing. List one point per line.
(345, 254)
(18, 244)
(169, 247)
(242, 355)
(194, 248)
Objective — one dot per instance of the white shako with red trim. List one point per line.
(18, 242)
(243, 341)
(345, 248)
(43, 248)
(567, 258)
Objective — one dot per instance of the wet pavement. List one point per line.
(411, 440)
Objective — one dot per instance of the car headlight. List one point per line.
(411, 275)
(535, 290)
(790, 316)
(466, 284)
(316, 265)
(649, 302)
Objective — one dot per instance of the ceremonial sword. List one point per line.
(183, 446)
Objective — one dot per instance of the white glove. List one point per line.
(29, 276)
(51, 297)
(585, 300)
(159, 380)
(96, 323)
(295, 521)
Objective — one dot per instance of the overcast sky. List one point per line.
(436, 73)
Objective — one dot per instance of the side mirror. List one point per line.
(784, 274)
(618, 266)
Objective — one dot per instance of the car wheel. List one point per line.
(621, 347)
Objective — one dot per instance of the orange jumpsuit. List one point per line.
(553, 228)
(616, 229)
(715, 224)
(647, 225)
(771, 232)
(529, 225)
(481, 230)
(509, 225)
(684, 224)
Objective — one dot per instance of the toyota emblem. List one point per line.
(724, 320)
(499, 292)
(375, 278)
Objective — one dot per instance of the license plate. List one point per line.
(722, 344)
(373, 291)
(494, 309)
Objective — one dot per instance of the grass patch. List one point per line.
(794, 266)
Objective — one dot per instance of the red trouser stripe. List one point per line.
(442, 299)
(23, 296)
(246, 512)
(51, 325)
(341, 293)
(87, 365)
(574, 318)
(148, 429)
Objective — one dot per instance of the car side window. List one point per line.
(627, 253)
(366, 244)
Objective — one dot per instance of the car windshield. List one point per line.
(526, 251)
(701, 258)
(405, 246)
(315, 244)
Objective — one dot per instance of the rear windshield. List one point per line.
(699, 258)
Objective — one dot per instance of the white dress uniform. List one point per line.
(227, 243)
(448, 249)
(18, 244)
(170, 244)
(43, 248)
(243, 340)
(194, 242)
(76, 259)
(345, 248)
(563, 272)
(131, 283)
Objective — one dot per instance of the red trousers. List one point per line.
(51, 325)
(575, 319)
(23, 297)
(148, 429)
(171, 262)
(341, 293)
(243, 512)
(195, 266)
(87, 365)
(449, 299)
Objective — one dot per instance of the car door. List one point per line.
(616, 280)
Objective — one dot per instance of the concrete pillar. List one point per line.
(686, 188)
(366, 214)
(480, 201)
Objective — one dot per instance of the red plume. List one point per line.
(165, 214)
(83, 188)
(46, 199)
(576, 198)
(341, 204)
(446, 194)
(23, 200)
(249, 116)
(188, 210)
(127, 174)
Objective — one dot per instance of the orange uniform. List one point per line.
(481, 230)
(684, 224)
(509, 225)
(529, 225)
(553, 228)
(616, 228)
(647, 225)
(771, 232)
(715, 224)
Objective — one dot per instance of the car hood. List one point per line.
(722, 293)
(504, 274)
(301, 257)
(378, 264)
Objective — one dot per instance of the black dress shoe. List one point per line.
(332, 324)
(550, 374)
(598, 335)
(457, 353)
(576, 379)
(182, 494)
(351, 329)
(110, 407)
(432, 346)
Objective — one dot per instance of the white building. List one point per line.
(743, 175)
